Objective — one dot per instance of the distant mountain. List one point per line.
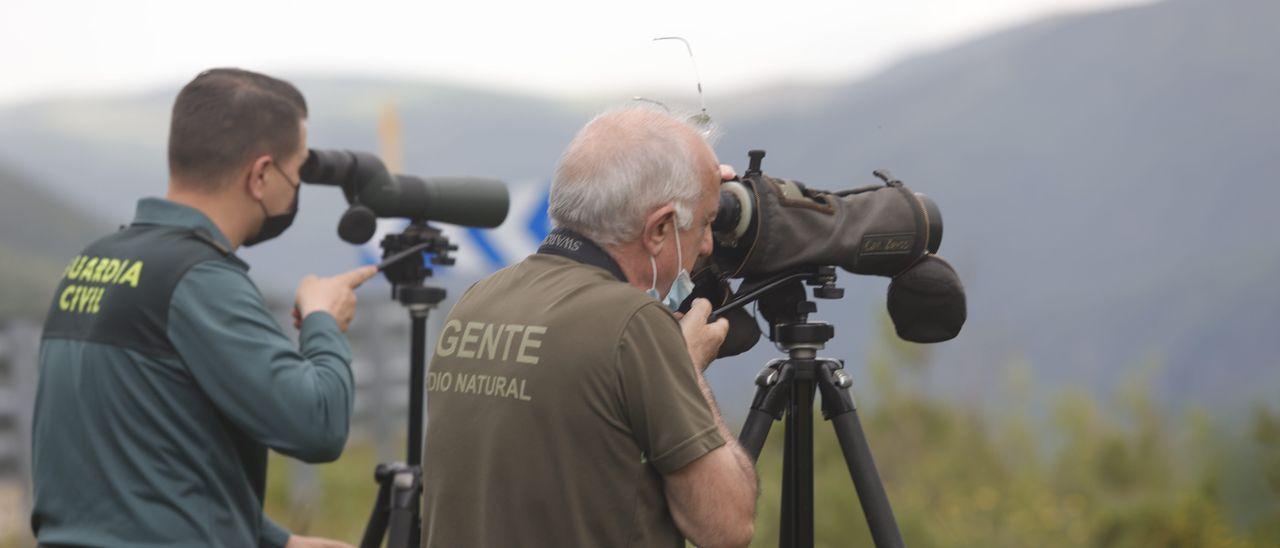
(39, 233)
(1107, 181)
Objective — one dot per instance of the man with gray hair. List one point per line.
(567, 403)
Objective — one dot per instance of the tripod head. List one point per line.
(786, 306)
(403, 265)
(787, 309)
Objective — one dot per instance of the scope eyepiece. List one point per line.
(737, 209)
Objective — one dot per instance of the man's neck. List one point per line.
(633, 261)
(214, 207)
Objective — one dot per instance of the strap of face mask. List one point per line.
(679, 254)
(653, 286)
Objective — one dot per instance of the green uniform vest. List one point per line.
(117, 291)
(130, 449)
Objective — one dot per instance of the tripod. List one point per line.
(395, 512)
(785, 388)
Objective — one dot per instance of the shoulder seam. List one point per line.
(183, 276)
(617, 347)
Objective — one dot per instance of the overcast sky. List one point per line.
(53, 47)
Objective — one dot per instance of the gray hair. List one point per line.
(624, 163)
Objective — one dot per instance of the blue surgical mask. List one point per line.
(681, 287)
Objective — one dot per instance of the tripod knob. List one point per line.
(841, 379)
(753, 163)
(404, 479)
(768, 377)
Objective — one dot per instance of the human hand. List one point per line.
(296, 541)
(335, 295)
(702, 339)
(727, 173)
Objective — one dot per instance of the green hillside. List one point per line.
(1107, 180)
(40, 234)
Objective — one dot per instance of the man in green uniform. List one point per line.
(566, 403)
(163, 377)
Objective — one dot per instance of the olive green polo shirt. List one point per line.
(557, 398)
(163, 381)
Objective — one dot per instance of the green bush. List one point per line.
(1115, 472)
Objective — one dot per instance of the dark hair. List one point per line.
(226, 116)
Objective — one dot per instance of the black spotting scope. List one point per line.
(767, 225)
(372, 191)
(770, 229)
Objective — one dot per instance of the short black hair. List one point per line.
(226, 116)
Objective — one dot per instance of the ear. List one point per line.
(257, 177)
(658, 226)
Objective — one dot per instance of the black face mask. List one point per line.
(274, 225)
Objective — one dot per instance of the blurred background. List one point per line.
(1107, 170)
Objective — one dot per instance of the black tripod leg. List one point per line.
(754, 431)
(377, 525)
(767, 406)
(403, 527)
(417, 376)
(838, 407)
(796, 529)
(395, 513)
(787, 504)
(417, 384)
